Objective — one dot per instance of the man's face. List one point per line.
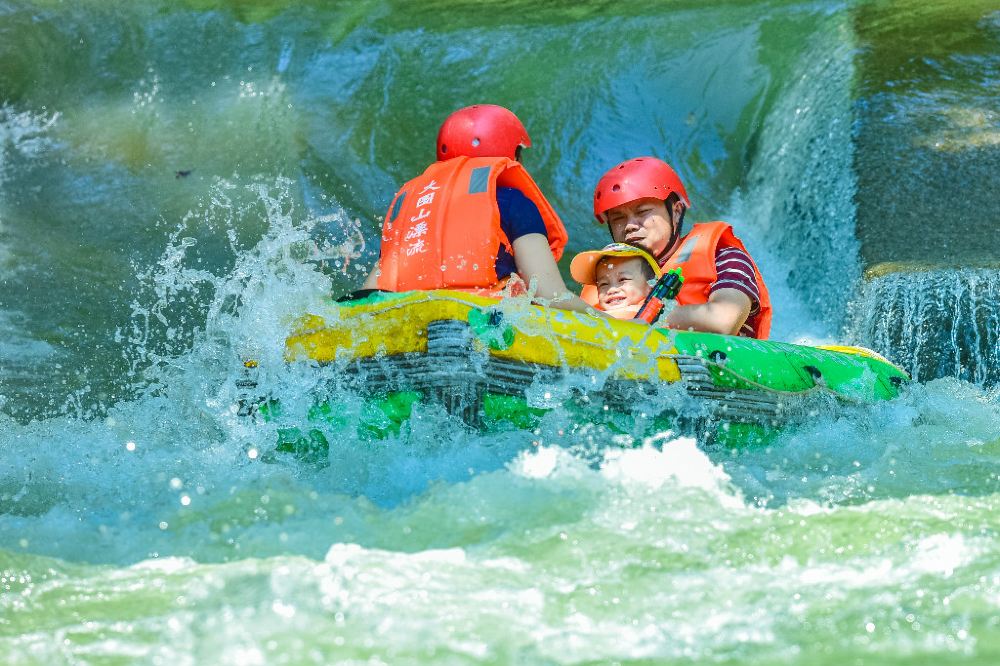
(621, 282)
(644, 223)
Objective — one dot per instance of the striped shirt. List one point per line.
(735, 271)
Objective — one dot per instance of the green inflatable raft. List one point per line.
(502, 364)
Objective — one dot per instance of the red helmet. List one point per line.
(481, 130)
(637, 178)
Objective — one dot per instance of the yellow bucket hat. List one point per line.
(583, 265)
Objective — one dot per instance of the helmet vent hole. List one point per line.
(616, 188)
(475, 142)
(598, 195)
(444, 148)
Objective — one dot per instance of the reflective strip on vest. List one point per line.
(687, 249)
(479, 180)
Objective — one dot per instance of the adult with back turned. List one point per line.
(475, 218)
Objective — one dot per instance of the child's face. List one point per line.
(621, 282)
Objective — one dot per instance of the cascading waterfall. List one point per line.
(799, 194)
(954, 322)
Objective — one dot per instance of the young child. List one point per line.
(623, 275)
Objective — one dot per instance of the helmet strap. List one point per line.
(678, 227)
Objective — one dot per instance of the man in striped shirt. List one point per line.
(643, 202)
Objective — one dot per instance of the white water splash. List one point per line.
(25, 133)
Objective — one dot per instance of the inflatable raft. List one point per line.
(495, 362)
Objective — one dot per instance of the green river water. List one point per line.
(179, 181)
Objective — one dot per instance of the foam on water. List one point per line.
(653, 553)
(23, 134)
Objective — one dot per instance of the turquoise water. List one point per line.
(139, 521)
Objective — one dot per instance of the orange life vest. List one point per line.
(695, 255)
(442, 230)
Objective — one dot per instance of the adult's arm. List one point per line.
(535, 263)
(725, 312)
